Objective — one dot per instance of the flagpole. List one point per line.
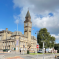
(32, 31)
(17, 29)
(33, 36)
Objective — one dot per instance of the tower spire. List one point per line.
(28, 14)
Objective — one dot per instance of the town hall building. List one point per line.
(16, 40)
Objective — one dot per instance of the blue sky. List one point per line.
(45, 16)
(6, 17)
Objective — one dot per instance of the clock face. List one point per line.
(29, 24)
(26, 24)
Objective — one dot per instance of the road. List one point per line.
(27, 56)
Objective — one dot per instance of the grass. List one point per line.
(41, 53)
(35, 53)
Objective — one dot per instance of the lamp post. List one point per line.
(15, 48)
(19, 44)
(37, 42)
(43, 49)
(17, 28)
(23, 47)
(43, 46)
(37, 33)
(6, 39)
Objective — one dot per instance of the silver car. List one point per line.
(40, 51)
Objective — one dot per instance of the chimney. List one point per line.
(6, 29)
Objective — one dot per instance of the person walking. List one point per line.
(20, 51)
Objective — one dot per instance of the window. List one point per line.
(26, 44)
(25, 48)
(19, 37)
(31, 49)
(22, 37)
(26, 24)
(22, 44)
(12, 43)
(12, 37)
(0, 37)
(26, 39)
(7, 43)
(3, 43)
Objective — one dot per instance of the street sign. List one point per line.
(37, 46)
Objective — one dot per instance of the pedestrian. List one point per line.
(20, 51)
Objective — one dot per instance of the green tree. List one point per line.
(45, 36)
(56, 47)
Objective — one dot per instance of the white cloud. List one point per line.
(40, 7)
(56, 36)
(17, 21)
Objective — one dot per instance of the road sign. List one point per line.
(37, 46)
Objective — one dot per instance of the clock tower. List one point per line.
(27, 26)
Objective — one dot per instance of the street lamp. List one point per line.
(23, 46)
(43, 46)
(43, 49)
(37, 42)
(19, 42)
(6, 38)
(37, 33)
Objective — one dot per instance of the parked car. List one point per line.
(40, 51)
(5, 50)
(9, 50)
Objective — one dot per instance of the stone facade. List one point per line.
(11, 40)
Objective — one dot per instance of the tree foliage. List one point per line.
(45, 36)
(56, 47)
